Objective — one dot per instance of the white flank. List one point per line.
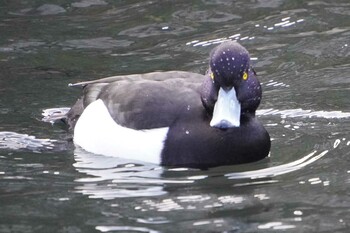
(227, 110)
(97, 132)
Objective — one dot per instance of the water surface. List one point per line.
(300, 51)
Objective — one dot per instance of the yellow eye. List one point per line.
(212, 76)
(245, 76)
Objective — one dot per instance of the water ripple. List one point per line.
(52, 115)
(17, 141)
(298, 112)
(279, 170)
(282, 24)
(50, 9)
(204, 16)
(88, 3)
(110, 177)
(156, 30)
(96, 43)
(124, 229)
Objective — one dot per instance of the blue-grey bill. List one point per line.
(227, 110)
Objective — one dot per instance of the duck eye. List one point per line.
(212, 75)
(245, 76)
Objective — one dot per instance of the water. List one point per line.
(300, 50)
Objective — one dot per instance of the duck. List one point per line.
(175, 118)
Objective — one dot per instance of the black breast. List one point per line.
(195, 144)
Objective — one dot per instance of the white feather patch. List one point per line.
(97, 132)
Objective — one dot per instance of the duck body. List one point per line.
(167, 118)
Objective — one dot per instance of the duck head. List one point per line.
(231, 88)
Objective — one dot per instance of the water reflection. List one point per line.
(109, 177)
(17, 141)
(301, 50)
(275, 226)
(281, 169)
(125, 229)
(125, 179)
(88, 3)
(95, 43)
(301, 113)
(284, 23)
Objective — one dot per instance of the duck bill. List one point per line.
(227, 110)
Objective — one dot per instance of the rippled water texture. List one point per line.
(300, 50)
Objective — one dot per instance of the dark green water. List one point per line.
(301, 52)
